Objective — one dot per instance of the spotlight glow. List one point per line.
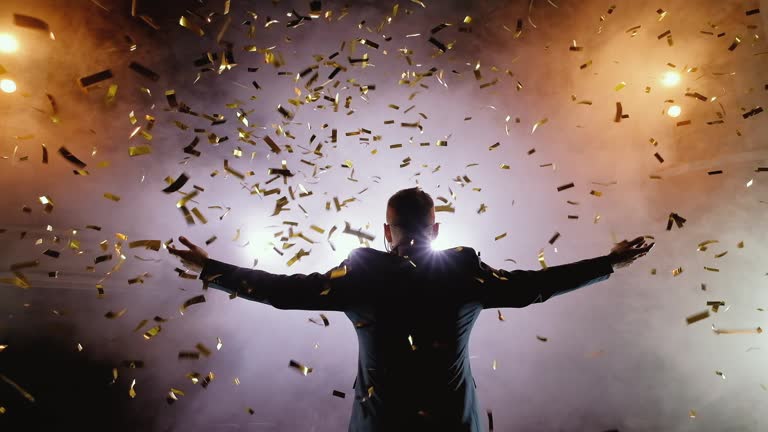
(7, 86)
(670, 78)
(674, 111)
(8, 43)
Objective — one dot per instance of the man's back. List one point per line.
(413, 316)
(413, 335)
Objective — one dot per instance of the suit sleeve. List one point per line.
(520, 288)
(316, 291)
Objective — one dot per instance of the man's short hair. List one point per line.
(413, 209)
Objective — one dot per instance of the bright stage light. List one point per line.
(674, 111)
(7, 85)
(8, 43)
(670, 78)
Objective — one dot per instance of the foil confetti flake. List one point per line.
(192, 301)
(304, 370)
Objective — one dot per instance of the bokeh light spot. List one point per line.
(674, 111)
(8, 43)
(7, 86)
(670, 79)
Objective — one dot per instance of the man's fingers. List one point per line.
(173, 251)
(186, 242)
(644, 250)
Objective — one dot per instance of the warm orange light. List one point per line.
(8, 43)
(670, 78)
(674, 111)
(7, 85)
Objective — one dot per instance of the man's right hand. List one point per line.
(626, 252)
(194, 258)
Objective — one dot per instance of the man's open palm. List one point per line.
(194, 258)
(626, 252)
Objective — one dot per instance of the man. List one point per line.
(413, 309)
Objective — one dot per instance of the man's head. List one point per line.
(410, 218)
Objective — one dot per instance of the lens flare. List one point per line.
(670, 78)
(8, 43)
(674, 111)
(7, 86)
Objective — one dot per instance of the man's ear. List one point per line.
(387, 233)
(435, 230)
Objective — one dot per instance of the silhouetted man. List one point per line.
(413, 309)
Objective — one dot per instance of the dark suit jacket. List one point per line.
(413, 317)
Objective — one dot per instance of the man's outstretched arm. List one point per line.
(315, 291)
(520, 288)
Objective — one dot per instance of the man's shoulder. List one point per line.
(371, 253)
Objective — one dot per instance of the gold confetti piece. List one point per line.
(539, 123)
(736, 42)
(236, 381)
(192, 301)
(500, 236)
(757, 330)
(338, 272)
(141, 324)
(204, 350)
(697, 317)
(677, 271)
(186, 198)
(554, 238)
(33, 23)
(358, 233)
(139, 150)
(219, 344)
(187, 23)
(177, 184)
(3, 347)
(18, 388)
(66, 154)
(620, 86)
(701, 247)
(301, 368)
(148, 244)
(541, 259)
(115, 315)
(740, 244)
(541, 338)
(619, 115)
(300, 254)
(111, 94)
(235, 173)
(712, 269)
(564, 187)
(676, 219)
(501, 317)
(24, 264)
(149, 334)
(131, 391)
(143, 71)
(188, 355)
(692, 413)
(112, 197)
(199, 215)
